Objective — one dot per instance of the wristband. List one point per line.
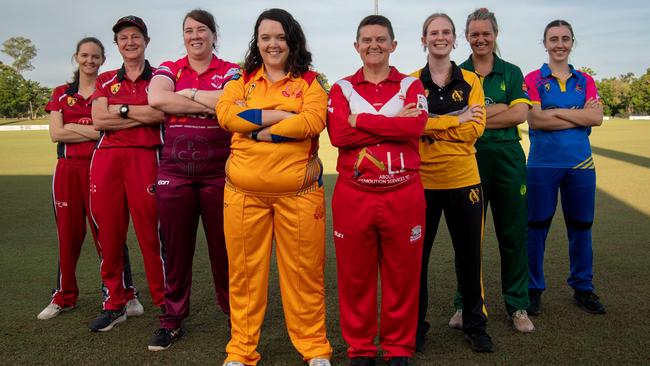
(194, 90)
(254, 135)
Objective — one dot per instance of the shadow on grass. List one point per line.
(641, 161)
(565, 334)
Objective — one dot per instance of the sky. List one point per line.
(613, 37)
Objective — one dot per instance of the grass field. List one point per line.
(565, 334)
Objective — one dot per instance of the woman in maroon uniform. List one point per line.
(191, 174)
(71, 126)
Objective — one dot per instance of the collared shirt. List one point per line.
(195, 145)
(118, 89)
(75, 109)
(289, 165)
(568, 148)
(447, 146)
(503, 85)
(381, 152)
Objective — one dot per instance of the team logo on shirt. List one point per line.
(422, 105)
(474, 195)
(290, 91)
(319, 213)
(416, 233)
(547, 86)
(85, 121)
(578, 88)
(522, 190)
(115, 88)
(503, 86)
(457, 95)
(71, 101)
(524, 87)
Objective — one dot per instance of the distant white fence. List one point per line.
(639, 117)
(25, 128)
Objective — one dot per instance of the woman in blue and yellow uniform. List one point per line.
(274, 190)
(565, 107)
(450, 174)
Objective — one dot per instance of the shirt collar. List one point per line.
(498, 65)
(185, 63)
(393, 75)
(456, 73)
(546, 71)
(259, 74)
(147, 72)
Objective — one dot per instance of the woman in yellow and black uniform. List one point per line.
(450, 174)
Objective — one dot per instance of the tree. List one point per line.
(22, 50)
(640, 92)
(33, 98)
(588, 70)
(616, 95)
(11, 83)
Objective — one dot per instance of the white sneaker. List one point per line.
(52, 310)
(456, 321)
(233, 363)
(134, 308)
(319, 362)
(521, 322)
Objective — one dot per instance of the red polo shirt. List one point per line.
(118, 89)
(75, 109)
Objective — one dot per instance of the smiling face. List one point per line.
(481, 37)
(439, 38)
(198, 38)
(375, 45)
(131, 43)
(558, 42)
(90, 58)
(272, 44)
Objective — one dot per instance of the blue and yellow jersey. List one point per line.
(568, 148)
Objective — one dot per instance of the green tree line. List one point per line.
(624, 95)
(20, 97)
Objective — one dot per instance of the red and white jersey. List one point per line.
(195, 144)
(75, 109)
(118, 89)
(382, 150)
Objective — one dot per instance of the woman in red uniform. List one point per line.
(191, 174)
(71, 126)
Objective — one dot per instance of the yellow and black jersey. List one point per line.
(447, 146)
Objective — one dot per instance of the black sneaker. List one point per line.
(398, 361)
(362, 361)
(588, 301)
(421, 335)
(535, 298)
(107, 320)
(480, 342)
(164, 337)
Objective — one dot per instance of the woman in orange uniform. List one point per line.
(274, 190)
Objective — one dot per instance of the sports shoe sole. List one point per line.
(158, 348)
(584, 308)
(55, 315)
(118, 320)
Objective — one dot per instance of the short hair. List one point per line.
(376, 20)
(558, 23)
(299, 59)
(206, 18)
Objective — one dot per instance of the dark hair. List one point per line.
(376, 20)
(299, 59)
(204, 17)
(484, 14)
(75, 77)
(558, 23)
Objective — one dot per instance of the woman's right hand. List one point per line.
(474, 113)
